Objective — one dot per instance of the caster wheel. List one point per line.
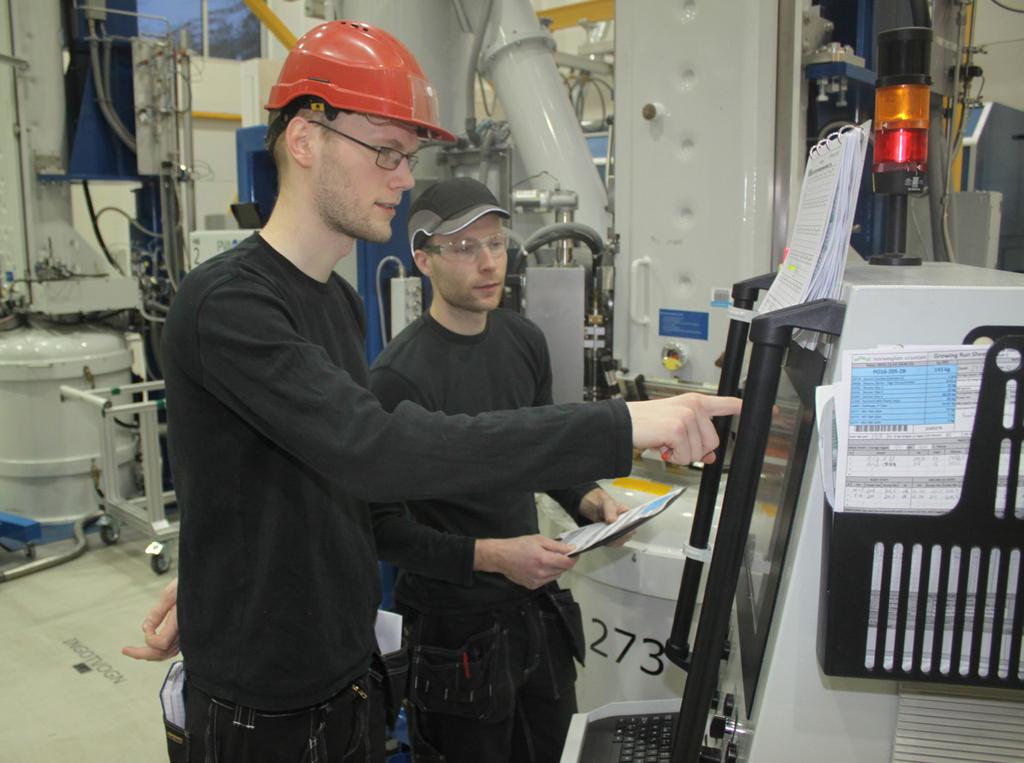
(110, 533)
(30, 551)
(160, 563)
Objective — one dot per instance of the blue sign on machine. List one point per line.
(688, 324)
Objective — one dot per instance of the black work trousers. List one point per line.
(348, 727)
(495, 686)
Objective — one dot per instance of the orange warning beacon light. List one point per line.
(902, 93)
(900, 162)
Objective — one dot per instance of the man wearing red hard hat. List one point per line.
(276, 444)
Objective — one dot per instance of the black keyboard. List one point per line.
(630, 739)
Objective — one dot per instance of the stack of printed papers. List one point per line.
(818, 242)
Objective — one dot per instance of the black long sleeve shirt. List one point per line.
(276, 444)
(504, 367)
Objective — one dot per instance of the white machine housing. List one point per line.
(694, 183)
(799, 713)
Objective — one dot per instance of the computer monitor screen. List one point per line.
(789, 441)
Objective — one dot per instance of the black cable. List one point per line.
(600, 94)
(611, 90)
(96, 227)
(1008, 8)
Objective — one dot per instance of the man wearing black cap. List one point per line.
(492, 637)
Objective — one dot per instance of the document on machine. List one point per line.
(816, 251)
(600, 533)
(828, 438)
(905, 417)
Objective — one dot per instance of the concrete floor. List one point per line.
(67, 692)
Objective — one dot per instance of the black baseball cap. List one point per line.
(449, 206)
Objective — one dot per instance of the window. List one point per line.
(230, 30)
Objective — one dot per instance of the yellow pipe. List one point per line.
(270, 20)
(571, 15)
(222, 116)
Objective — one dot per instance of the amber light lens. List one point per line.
(901, 106)
(901, 150)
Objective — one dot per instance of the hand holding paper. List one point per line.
(599, 534)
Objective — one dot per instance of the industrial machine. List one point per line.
(93, 100)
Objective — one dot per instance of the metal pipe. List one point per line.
(188, 180)
(28, 196)
(786, 62)
(88, 396)
(100, 77)
(896, 223)
(936, 180)
(474, 60)
(17, 63)
(519, 62)
(146, 405)
(270, 20)
(221, 116)
(558, 231)
(564, 217)
(168, 226)
(43, 564)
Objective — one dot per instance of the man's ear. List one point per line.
(298, 138)
(422, 260)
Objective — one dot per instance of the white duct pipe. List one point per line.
(518, 60)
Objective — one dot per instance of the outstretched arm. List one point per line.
(160, 628)
(681, 426)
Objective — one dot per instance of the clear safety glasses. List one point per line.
(469, 249)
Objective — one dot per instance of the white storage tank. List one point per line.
(49, 449)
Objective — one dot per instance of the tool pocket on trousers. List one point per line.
(391, 672)
(469, 682)
(568, 615)
(172, 699)
(177, 742)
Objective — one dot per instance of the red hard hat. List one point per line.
(357, 67)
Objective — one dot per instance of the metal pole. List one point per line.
(896, 224)
(733, 526)
(188, 180)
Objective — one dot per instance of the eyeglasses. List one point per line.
(387, 158)
(468, 249)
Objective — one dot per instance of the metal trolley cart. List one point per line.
(146, 512)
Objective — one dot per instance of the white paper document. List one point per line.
(906, 416)
(816, 251)
(388, 629)
(828, 439)
(172, 695)
(600, 533)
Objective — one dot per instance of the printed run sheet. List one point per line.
(908, 414)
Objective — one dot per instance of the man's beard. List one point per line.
(338, 214)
